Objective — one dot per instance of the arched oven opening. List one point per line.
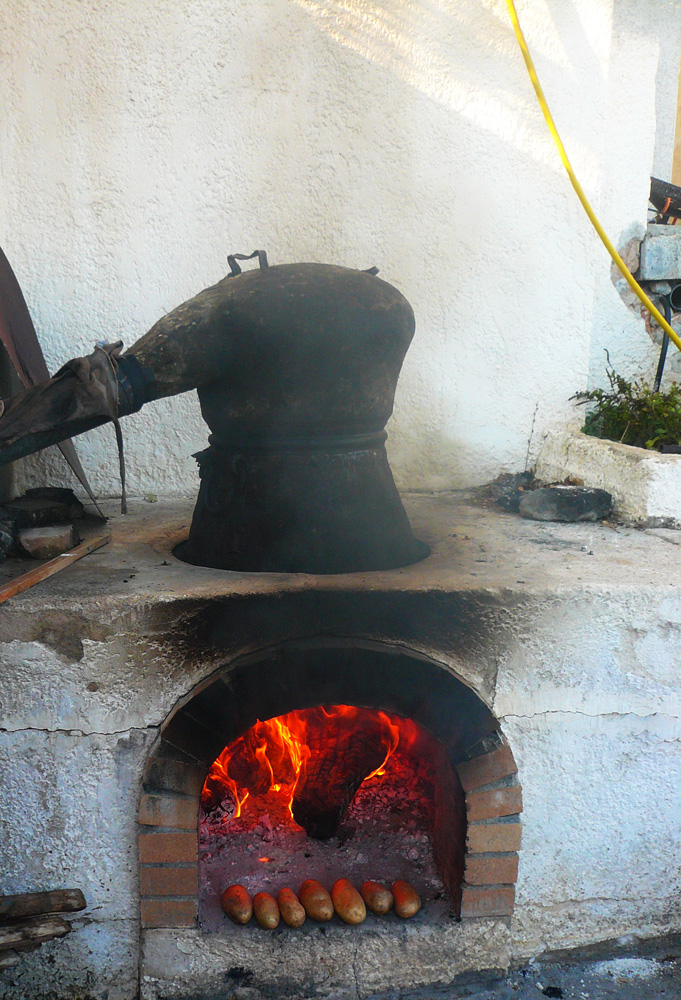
(335, 791)
(327, 759)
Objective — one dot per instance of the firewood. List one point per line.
(52, 566)
(342, 756)
(32, 932)
(35, 904)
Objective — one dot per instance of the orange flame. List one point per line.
(271, 757)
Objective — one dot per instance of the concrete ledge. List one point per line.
(645, 485)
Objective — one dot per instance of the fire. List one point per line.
(272, 758)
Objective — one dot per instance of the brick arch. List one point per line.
(300, 675)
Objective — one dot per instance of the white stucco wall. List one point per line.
(578, 659)
(141, 143)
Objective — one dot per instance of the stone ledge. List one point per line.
(645, 485)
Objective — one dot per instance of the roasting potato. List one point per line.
(347, 902)
(377, 898)
(266, 910)
(237, 904)
(316, 900)
(293, 914)
(407, 899)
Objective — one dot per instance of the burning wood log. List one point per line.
(342, 755)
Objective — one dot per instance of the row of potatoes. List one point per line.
(314, 901)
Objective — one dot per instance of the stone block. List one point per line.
(487, 902)
(491, 869)
(492, 838)
(488, 768)
(494, 803)
(566, 503)
(174, 776)
(661, 254)
(47, 543)
(169, 811)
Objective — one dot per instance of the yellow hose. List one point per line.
(631, 280)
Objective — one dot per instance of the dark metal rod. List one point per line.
(664, 300)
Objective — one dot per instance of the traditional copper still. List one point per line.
(296, 367)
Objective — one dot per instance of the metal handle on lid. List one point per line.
(234, 257)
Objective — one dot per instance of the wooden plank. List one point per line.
(33, 932)
(8, 959)
(52, 566)
(34, 904)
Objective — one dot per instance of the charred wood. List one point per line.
(32, 932)
(341, 757)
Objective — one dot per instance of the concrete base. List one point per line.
(344, 963)
(645, 485)
(571, 634)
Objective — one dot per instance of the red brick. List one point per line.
(487, 902)
(168, 912)
(491, 869)
(487, 768)
(169, 881)
(493, 838)
(169, 810)
(167, 848)
(495, 803)
(174, 776)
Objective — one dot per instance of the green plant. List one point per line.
(633, 413)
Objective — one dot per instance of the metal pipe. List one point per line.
(664, 300)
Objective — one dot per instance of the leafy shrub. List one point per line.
(633, 413)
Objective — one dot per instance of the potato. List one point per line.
(292, 912)
(237, 904)
(347, 902)
(266, 910)
(316, 900)
(378, 899)
(407, 899)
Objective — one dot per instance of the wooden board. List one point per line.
(32, 932)
(34, 904)
(52, 566)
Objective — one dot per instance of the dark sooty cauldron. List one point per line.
(296, 476)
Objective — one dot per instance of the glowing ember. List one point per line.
(308, 764)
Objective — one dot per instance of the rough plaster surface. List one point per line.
(68, 819)
(141, 143)
(645, 485)
(333, 961)
(570, 633)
